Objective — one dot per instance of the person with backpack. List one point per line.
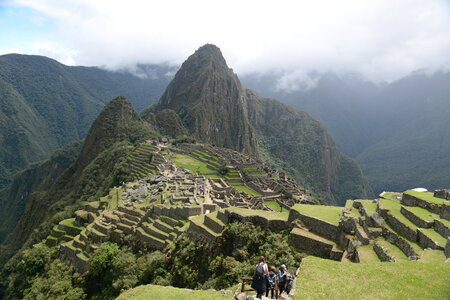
(282, 278)
(272, 282)
(260, 277)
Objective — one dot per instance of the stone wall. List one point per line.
(440, 227)
(447, 248)
(426, 242)
(410, 200)
(274, 225)
(309, 245)
(415, 219)
(404, 245)
(404, 230)
(322, 228)
(382, 253)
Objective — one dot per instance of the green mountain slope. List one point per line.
(52, 190)
(398, 132)
(45, 105)
(215, 108)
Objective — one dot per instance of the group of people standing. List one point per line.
(268, 280)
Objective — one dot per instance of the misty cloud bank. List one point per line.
(382, 40)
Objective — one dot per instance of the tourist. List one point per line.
(282, 278)
(259, 279)
(272, 282)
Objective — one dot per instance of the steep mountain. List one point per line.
(50, 191)
(397, 131)
(45, 105)
(210, 101)
(215, 108)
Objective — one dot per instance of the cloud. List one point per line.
(383, 40)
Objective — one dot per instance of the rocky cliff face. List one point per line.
(215, 108)
(210, 101)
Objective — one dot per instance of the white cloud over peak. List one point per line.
(382, 40)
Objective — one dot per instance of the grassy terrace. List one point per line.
(199, 221)
(367, 254)
(330, 214)
(115, 194)
(245, 189)
(427, 196)
(369, 206)
(190, 163)
(432, 256)
(394, 208)
(327, 279)
(169, 293)
(392, 250)
(70, 223)
(392, 195)
(422, 213)
(269, 215)
(432, 234)
(415, 245)
(274, 205)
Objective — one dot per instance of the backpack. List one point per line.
(259, 273)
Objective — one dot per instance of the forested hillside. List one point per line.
(45, 105)
(397, 132)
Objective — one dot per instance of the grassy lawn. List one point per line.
(246, 189)
(169, 293)
(270, 215)
(327, 279)
(427, 196)
(330, 214)
(190, 163)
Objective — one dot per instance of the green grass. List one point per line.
(270, 215)
(149, 291)
(392, 195)
(367, 254)
(200, 221)
(394, 208)
(70, 223)
(432, 256)
(330, 214)
(190, 163)
(327, 279)
(422, 213)
(274, 205)
(114, 201)
(427, 196)
(247, 190)
(369, 206)
(435, 236)
(393, 250)
(414, 245)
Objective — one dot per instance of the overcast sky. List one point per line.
(383, 40)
